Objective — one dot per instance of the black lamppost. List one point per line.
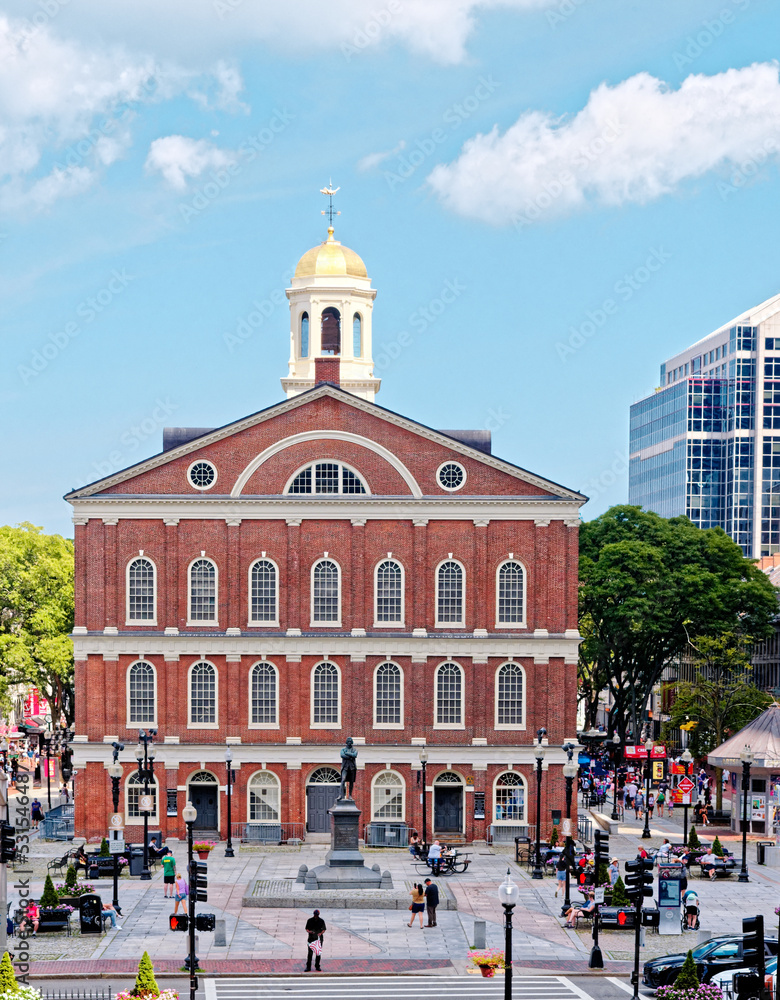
(424, 765)
(228, 762)
(746, 756)
(508, 893)
(115, 773)
(144, 753)
(47, 735)
(687, 760)
(648, 775)
(570, 769)
(189, 814)
(615, 745)
(538, 872)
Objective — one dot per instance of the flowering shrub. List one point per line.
(491, 957)
(204, 845)
(162, 995)
(61, 908)
(81, 889)
(21, 992)
(705, 991)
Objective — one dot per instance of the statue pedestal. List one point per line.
(344, 866)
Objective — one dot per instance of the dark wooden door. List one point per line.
(319, 798)
(448, 810)
(204, 799)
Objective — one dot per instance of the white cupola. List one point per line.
(331, 301)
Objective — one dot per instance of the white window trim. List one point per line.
(154, 818)
(202, 725)
(462, 622)
(152, 722)
(524, 622)
(452, 489)
(449, 725)
(263, 725)
(321, 624)
(324, 725)
(199, 622)
(301, 355)
(331, 461)
(202, 489)
(395, 624)
(505, 726)
(140, 622)
(510, 822)
(389, 770)
(357, 313)
(251, 623)
(389, 725)
(278, 783)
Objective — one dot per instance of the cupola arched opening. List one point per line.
(331, 331)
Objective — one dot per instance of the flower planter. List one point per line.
(487, 971)
(204, 855)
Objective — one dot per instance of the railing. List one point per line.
(267, 833)
(501, 833)
(77, 994)
(584, 829)
(386, 834)
(58, 824)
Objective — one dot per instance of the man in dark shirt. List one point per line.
(315, 928)
(431, 901)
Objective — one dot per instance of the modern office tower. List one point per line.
(706, 443)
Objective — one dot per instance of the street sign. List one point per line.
(685, 785)
(116, 846)
(116, 821)
(146, 803)
(686, 799)
(598, 895)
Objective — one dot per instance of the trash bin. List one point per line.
(761, 846)
(136, 859)
(91, 914)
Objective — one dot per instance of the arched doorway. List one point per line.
(203, 793)
(322, 790)
(448, 804)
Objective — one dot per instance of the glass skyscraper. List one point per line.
(707, 442)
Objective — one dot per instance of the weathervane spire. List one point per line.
(330, 191)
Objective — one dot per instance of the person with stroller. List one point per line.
(690, 904)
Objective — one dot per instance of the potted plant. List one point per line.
(203, 848)
(146, 985)
(487, 961)
(687, 986)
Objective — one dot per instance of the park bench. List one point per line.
(59, 863)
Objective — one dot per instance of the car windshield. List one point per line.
(704, 949)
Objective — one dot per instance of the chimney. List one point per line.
(326, 371)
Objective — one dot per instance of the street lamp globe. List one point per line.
(508, 893)
(747, 756)
(648, 745)
(189, 813)
(115, 770)
(424, 755)
(570, 769)
(228, 755)
(616, 738)
(139, 752)
(47, 734)
(539, 752)
(686, 756)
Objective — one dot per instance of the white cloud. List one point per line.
(180, 159)
(372, 160)
(632, 142)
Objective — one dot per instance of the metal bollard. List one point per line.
(220, 937)
(480, 940)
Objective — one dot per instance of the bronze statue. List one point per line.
(348, 768)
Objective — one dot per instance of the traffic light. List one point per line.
(179, 922)
(753, 943)
(205, 922)
(199, 881)
(639, 879)
(601, 852)
(7, 843)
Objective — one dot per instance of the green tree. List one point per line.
(49, 897)
(8, 982)
(36, 616)
(693, 839)
(71, 877)
(688, 977)
(145, 983)
(619, 894)
(721, 698)
(646, 582)
(104, 851)
(717, 848)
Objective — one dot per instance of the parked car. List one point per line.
(725, 980)
(719, 954)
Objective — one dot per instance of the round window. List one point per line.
(202, 475)
(451, 476)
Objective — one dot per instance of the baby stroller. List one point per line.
(690, 905)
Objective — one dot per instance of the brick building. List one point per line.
(320, 569)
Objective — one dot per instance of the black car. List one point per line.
(716, 955)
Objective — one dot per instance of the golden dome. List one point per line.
(330, 258)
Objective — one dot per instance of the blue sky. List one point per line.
(598, 179)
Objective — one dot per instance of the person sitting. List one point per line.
(81, 860)
(155, 852)
(109, 909)
(414, 844)
(664, 850)
(573, 914)
(708, 863)
(434, 856)
(31, 918)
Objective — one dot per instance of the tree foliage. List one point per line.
(619, 894)
(36, 616)
(646, 583)
(145, 983)
(688, 977)
(49, 897)
(8, 982)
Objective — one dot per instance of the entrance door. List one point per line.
(204, 799)
(319, 798)
(448, 810)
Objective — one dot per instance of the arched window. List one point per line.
(305, 335)
(389, 593)
(264, 797)
(264, 695)
(357, 335)
(325, 776)
(141, 695)
(510, 697)
(263, 590)
(324, 478)
(203, 694)
(134, 789)
(140, 591)
(387, 796)
(325, 696)
(203, 591)
(509, 798)
(449, 695)
(510, 605)
(388, 696)
(331, 331)
(325, 593)
(449, 594)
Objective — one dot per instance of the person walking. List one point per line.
(639, 805)
(613, 871)
(169, 875)
(65, 794)
(660, 801)
(650, 805)
(315, 928)
(431, 901)
(36, 813)
(560, 873)
(181, 893)
(417, 905)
